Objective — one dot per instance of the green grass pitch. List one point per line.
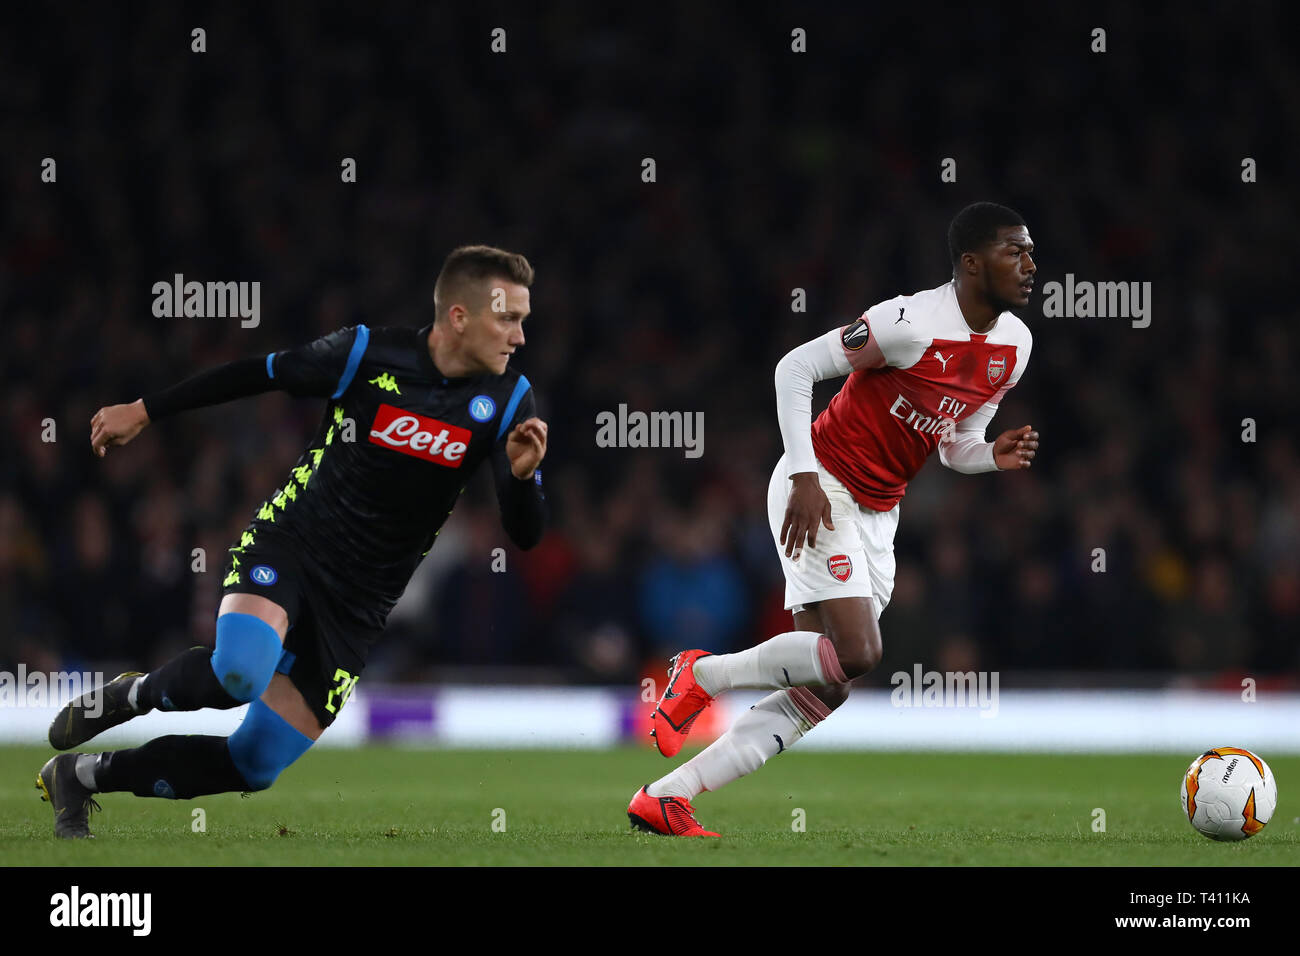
(394, 806)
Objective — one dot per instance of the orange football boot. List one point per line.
(667, 816)
(682, 702)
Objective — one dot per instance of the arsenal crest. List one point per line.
(840, 567)
(997, 368)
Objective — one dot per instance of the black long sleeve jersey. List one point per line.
(395, 448)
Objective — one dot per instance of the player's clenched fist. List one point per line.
(1015, 449)
(808, 508)
(116, 425)
(526, 447)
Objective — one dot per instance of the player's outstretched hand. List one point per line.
(808, 508)
(116, 425)
(526, 447)
(1015, 449)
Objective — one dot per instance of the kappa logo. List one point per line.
(420, 437)
(856, 335)
(386, 382)
(997, 368)
(840, 567)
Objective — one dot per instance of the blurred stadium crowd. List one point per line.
(774, 171)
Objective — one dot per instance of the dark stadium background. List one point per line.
(775, 170)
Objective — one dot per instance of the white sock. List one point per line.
(769, 727)
(85, 768)
(134, 693)
(793, 659)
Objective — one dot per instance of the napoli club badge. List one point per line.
(482, 408)
(997, 368)
(840, 567)
(264, 575)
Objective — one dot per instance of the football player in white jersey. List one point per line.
(925, 372)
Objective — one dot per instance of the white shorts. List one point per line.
(854, 560)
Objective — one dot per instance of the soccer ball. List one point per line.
(1229, 793)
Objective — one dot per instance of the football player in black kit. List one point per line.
(309, 585)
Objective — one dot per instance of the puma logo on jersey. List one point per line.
(942, 360)
(900, 317)
(856, 335)
(386, 382)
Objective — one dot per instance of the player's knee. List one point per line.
(832, 695)
(859, 656)
(264, 745)
(262, 782)
(260, 776)
(248, 650)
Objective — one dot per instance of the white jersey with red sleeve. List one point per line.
(919, 379)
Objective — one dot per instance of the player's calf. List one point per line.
(836, 641)
(236, 672)
(174, 767)
(179, 768)
(794, 659)
(771, 727)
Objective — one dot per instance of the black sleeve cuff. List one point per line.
(211, 387)
(523, 510)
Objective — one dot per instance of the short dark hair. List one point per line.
(976, 226)
(473, 264)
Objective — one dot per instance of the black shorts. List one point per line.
(328, 640)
